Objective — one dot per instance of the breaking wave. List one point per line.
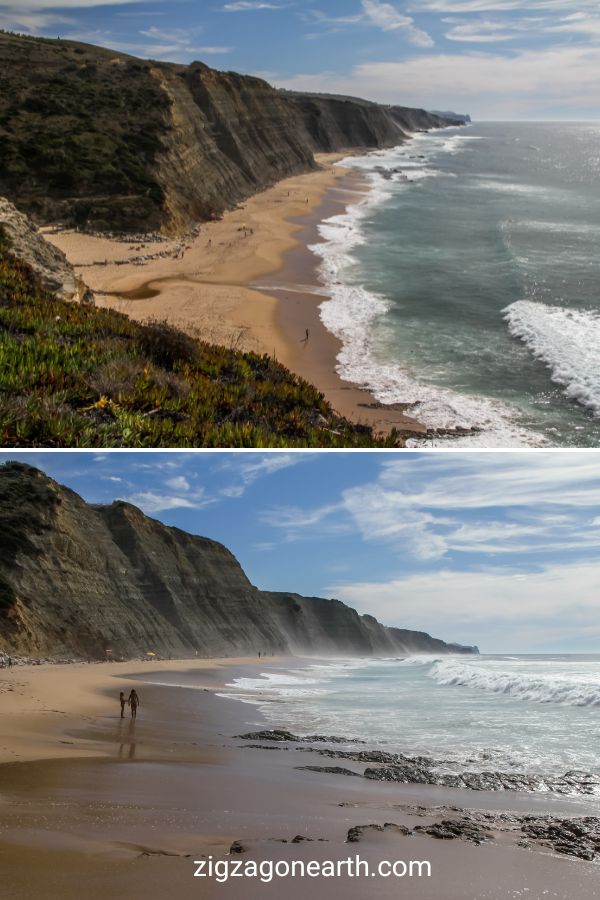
(567, 341)
(563, 689)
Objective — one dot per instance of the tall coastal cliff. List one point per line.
(78, 579)
(98, 139)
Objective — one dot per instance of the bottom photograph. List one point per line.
(262, 674)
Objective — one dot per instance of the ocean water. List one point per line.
(526, 714)
(466, 283)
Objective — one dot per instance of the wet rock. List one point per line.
(332, 770)
(356, 832)
(420, 770)
(450, 829)
(404, 774)
(238, 847)
(299, 838)
(280, 734)
(574, 837)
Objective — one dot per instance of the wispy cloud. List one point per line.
(250, 468)
(153, 501)
(373, 13)
(389, 18)
(479, 31)
(476, 6)
(250, 5)
(442, 506)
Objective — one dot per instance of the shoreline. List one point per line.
(207, 284)
(129, 807)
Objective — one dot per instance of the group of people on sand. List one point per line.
(133, 701)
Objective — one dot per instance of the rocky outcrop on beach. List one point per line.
(109, 582)
(49, 264)
(578, 836)
(97, 139)
(400, 769)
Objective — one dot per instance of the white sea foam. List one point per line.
(352, 311)
(553, 227)
(567, 340)
(575, 690)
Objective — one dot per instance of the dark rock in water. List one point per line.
(404, 774)
(420, 771)
(274, 734)
(333, 770)
(280, 734)
(299, 838)
(450, 829)
(356, 832)
(238, 847)
(261, 747)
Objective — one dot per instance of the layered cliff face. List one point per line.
(99, 139)
(334, 123)
(78, 579)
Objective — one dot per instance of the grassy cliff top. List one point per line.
(81, 376)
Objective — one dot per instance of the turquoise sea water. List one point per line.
(467, 281)
(506, 713)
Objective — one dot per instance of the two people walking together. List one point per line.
(133, 701)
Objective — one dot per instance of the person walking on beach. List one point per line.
(305, 338)
(122, 701)
(134, 702)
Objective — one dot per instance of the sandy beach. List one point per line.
(205, 283)
(125, 809)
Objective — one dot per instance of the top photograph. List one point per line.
(304, 224)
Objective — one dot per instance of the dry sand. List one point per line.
(207, 289)
(114, 810)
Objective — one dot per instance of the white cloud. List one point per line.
(483, 32)
(473, 6)
(212, 51)
(179, 483)
(152, 502)
(524, 84)
(442, 504)
(388, 18)
(374, 13)
(65, 4)
(247, 5)
(384, 15)
(251, 467)
(578, 23)
(292, 518)
(499, 606)
(479, 481)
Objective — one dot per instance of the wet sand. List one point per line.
(112, 809)
(206, 284)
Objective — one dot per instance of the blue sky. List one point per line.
(498, 549)
(497, 59)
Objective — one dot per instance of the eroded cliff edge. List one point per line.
(104, 141)
(77, 579)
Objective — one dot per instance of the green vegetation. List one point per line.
(81, 376)
(80, 128)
